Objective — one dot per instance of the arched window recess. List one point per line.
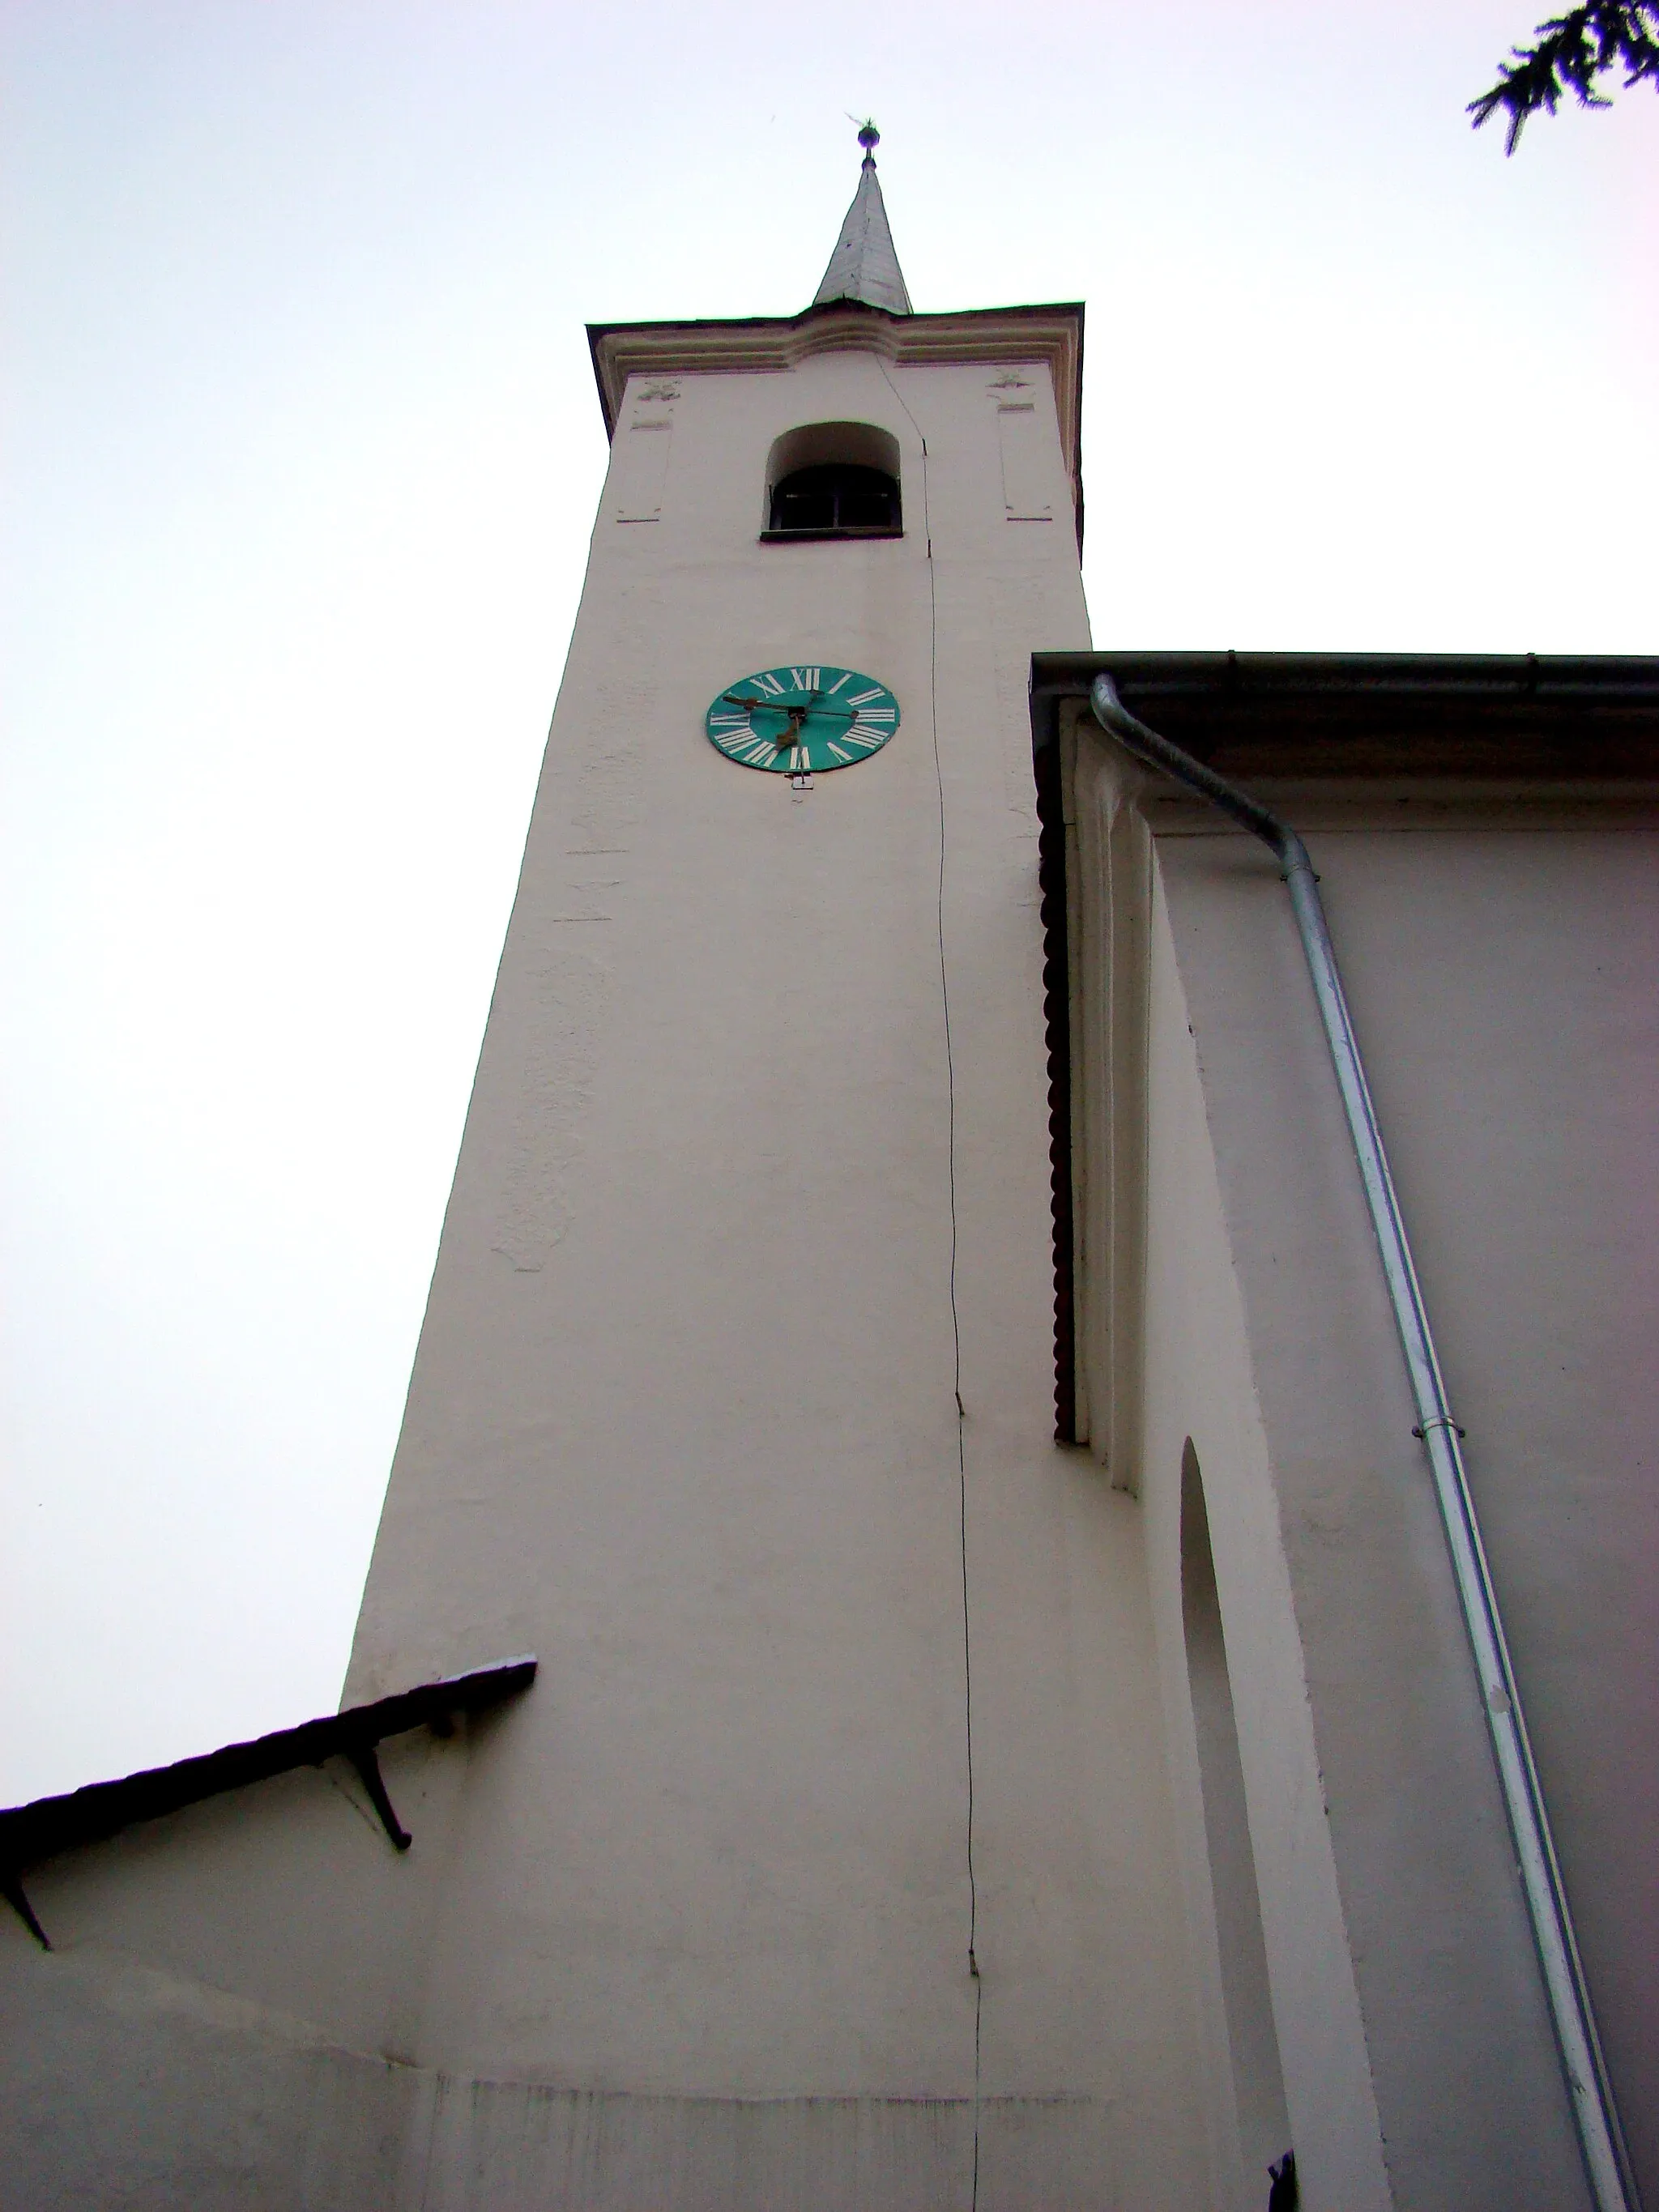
(833, 480)
(1251, 2034)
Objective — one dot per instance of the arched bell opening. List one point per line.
(1252, 2040)
(828, 480)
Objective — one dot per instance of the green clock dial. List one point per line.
(797, 721)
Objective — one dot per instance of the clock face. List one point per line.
(800, 720)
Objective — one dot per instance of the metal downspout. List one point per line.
(1612, 2182)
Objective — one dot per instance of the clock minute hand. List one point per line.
(796, 714)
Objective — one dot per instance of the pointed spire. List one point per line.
(864, 266)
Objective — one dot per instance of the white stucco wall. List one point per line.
(1496, 961)
(684, 1419)
(1200, 1385)
(683, 1423)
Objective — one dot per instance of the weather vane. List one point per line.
(869, 138)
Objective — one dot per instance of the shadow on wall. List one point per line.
(1258, 2084)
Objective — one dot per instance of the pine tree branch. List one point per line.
(1571, 52)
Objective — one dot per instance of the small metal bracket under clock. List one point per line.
(800, 783)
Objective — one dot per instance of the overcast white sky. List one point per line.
(301, 452)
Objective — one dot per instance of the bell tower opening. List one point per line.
(833, 480)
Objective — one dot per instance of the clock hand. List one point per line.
(790, 733)
(738, 699)
(796, 713)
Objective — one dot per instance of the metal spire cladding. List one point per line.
(864, 266)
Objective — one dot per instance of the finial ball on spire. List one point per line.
(869, 138)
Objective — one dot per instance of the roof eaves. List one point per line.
(32, 1832)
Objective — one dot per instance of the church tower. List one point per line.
(774, 1703)
(909, 1663)
(833, 1825)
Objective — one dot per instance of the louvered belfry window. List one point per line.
(838, 498)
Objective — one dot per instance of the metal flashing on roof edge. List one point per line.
(30, 1833)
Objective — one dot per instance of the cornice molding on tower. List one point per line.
(1049, 335)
